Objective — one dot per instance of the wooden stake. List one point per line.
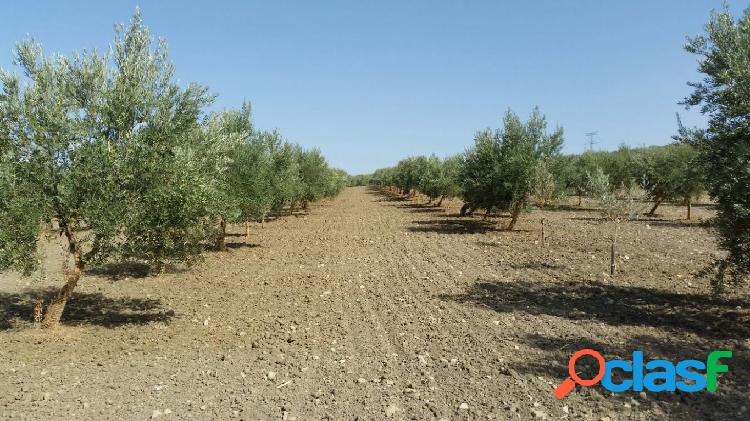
(544, 241)
(613, 252)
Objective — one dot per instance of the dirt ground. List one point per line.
(372, 307)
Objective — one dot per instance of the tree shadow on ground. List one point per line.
(704, 315)
(118, 271)
(242, 245)
(537, 265)
(569, 208)
(385, 196)
(83, 308)
(588, 219)
(674, 223)
(704, 205)
(421, 208)
(426, 210)
(454, 226)
(724, 404)
(674, 326)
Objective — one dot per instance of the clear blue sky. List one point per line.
(373, 82)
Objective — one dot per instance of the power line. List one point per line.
(591, 142)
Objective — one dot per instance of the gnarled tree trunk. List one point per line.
(689, 208)
(72, 274)
(220, 243)
(440, 202)
(515, 211)
(652, 212)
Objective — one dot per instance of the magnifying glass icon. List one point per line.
(570, 383)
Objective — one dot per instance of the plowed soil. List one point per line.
(372, 306)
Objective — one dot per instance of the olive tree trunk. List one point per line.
(515, 211)
(72, 274)
(652, 212)
(221, 244)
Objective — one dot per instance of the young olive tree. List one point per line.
(499, 170)
(670, 173)
(93, 143)
(723, 97)
(614, 204)
(573, 171)
(548, 185)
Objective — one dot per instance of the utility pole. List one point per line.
(591, 142)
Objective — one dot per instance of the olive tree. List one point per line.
(437, 178)
(615, 204)
(723, 96)
(337, 180)
(384, 177)
(252, 177)
(573, 171)
(285, 182)
(313, 175)
(92, 143)
(499, 171)
(450, 169)
(670, 173)
(429, 176)
(408, 173)
(211, 151)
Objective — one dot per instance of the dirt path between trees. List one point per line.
(373, 307)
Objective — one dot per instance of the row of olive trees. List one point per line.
(434, 177)
(267, 174)
(664, 173)
(498, 172)
(127, 165)
(520, 164)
